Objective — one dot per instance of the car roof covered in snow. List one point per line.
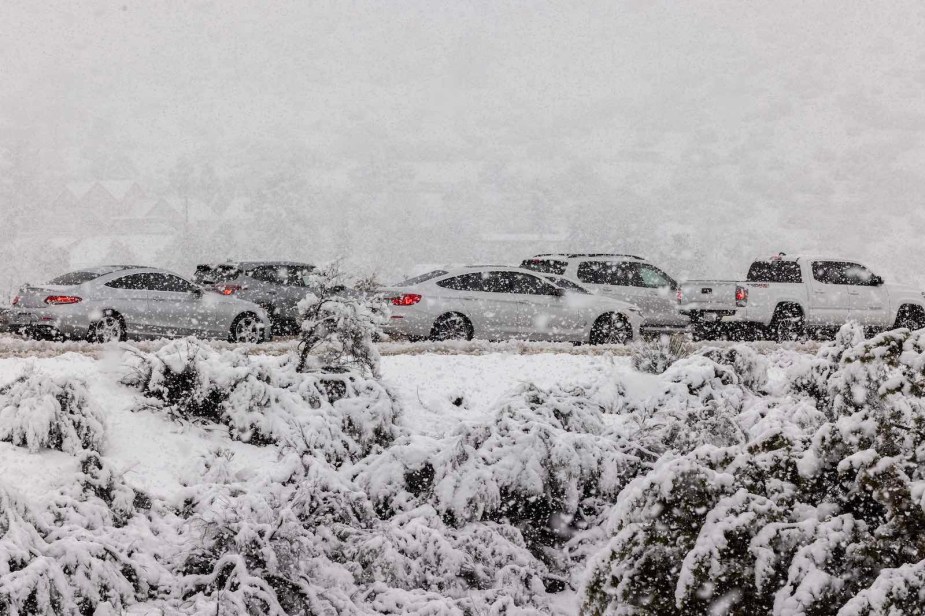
(583, 255)
(102, 270)
(252, 264)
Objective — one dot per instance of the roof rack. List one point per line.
(576, 255)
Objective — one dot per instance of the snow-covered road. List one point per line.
(16, 346)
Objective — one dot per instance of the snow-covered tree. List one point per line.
(338, 327)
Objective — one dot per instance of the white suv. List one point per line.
(625, 277)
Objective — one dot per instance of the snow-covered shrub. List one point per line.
(69, 560)
(253, 549)
(342, 416)
(821, 509)
(750, 367)
(655, 355)
(534, 464)
(45, 410)
(698, 403)
(306, 539)
(338, 328)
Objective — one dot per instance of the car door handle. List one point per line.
(854, 293)
(271, 292)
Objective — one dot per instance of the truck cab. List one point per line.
(788, 295)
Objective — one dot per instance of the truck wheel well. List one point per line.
(789, 309)
(911, 316)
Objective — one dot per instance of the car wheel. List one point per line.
(452, 326)
(787, 324)
(110, 328)
(247, 329)
(611, 329)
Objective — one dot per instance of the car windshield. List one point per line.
(422, 278)
(568, 285)
(73, 278)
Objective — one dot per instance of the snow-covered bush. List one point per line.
(655, 355)
(45, 410)
(750, 367)
(342, 416)
(306, 540)
(70, 558)
(698, 403)
(821, 509)
(537, 464)
(338, 327)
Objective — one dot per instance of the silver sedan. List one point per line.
(115, 302)
(499, 303)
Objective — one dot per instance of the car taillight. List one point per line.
(62, 299)
(228, 289)
(406, 299)
(741, 297)
(16, 300)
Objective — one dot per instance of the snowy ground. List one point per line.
(579, 426)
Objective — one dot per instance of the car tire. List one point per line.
(247, 329)
(611, 328)
(788, 324)
(110, 328)
(451, 326)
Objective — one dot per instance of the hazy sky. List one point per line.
(435, 79)
(711, 111)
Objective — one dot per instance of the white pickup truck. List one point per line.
(786, 296)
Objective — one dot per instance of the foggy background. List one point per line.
(403, 135)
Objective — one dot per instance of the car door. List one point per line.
(507, 311)
(264, 289)
(176, 306)
(829, 301)
(622, 280)
(128, 295)
(467, 295)
(293, 289)
(539, 309)
(869, 302)
(658, 299)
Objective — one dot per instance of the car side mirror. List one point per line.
(197, 291)
(558, 292)
(876, 281)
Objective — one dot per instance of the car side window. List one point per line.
(516, 282)
(132, 281)
(649, 277)
(830, 272)
(169, 283)
(545, 266)
(604, 272)
(858, 275)
(465, 282)
(266, 274)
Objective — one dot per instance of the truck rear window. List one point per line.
(774, 271)
(545, 266)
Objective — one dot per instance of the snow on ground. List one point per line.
(727, 448)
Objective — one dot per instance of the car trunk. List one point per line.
(34, 297)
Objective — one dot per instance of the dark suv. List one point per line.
(277, 286)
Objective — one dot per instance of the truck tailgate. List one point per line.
(707, 295)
